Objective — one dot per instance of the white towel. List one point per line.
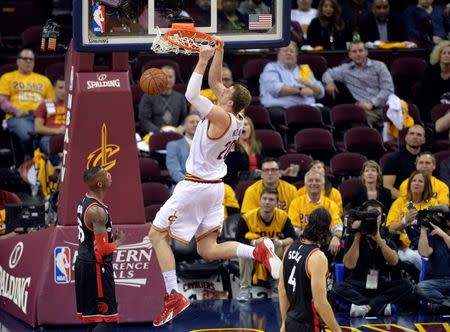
(395, 112)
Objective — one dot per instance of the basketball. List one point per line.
(153, 81)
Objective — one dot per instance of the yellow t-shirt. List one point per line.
(257, 228)
(440, 190)
(26, 92)
(335, 196)
(301, 208)
(286, 194)
(398, 208)
(229, 200)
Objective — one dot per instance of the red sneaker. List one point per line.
(174, 304)
(265, 253)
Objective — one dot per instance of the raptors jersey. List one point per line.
(297, 283)
(86, 234)
(207, 156)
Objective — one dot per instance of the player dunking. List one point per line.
(303, 280)
(195, 208)
(94, 279)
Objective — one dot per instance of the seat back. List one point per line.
(347, 164)
(251, 71)
(300, 159)
(316, 142)
(155, 193)
(271, 141)
(259, 116)
(366, 141)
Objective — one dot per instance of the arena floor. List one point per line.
(257, 315)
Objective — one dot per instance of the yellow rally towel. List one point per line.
(45, 169)
(305, 72)
(408, 121)
(260, 270)
(388, 45)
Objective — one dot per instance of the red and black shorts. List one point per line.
(95, 292)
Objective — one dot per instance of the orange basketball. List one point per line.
(153, 81)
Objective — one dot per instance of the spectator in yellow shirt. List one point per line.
(327, 190)
(230, 202)
(21, 91)
(426, 163)
(266, 221)
(270, 177)
(302, 206)
(402, 217)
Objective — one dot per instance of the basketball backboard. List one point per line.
(131, 25)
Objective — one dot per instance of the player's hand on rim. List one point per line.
(206, 52)
(219, 42)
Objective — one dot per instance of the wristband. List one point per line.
(102, 246)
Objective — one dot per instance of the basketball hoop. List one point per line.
(181, 38)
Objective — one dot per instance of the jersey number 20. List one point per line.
(224, 153)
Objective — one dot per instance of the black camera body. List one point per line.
(436, 215)
(369, 225)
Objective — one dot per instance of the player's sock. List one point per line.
(245, 251)
(170, 280)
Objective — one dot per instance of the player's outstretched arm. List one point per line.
(215, 71)
(215, 114)
(318, 269)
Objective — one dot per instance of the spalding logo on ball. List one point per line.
(153, 81)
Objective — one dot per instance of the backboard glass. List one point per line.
(131, 25)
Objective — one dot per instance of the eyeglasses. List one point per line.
(270, 170)
(25, 58)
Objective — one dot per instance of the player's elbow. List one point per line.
(191, 96)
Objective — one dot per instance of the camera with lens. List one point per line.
(437, 215)
(369, 225)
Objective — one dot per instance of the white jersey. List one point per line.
(207, 156)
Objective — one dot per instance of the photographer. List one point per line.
(434, 243)
(367, 257)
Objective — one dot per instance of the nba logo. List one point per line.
(62, 264)
(98, 18)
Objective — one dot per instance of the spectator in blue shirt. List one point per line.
(284, 83)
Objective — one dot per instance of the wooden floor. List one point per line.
(257, 315)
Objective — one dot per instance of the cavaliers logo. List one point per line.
(172, 218)
(103, 155)
(102, 307)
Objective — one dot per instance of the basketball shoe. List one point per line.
(265, 253)
(174, 303)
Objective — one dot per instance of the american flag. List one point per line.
(259, 21)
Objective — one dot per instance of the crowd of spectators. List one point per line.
(277, 202)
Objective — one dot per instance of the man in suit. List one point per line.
(178, 151)
(381, 25)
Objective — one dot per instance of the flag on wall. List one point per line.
(260, 21)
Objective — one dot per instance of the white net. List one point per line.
(160, 45)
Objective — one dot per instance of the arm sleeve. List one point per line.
(270, 80)
(412, 31)
(176, 170)
(200, 103)
(294, 213)
(335, 74)
(314, 34)
(321, 87)
(241, 230)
